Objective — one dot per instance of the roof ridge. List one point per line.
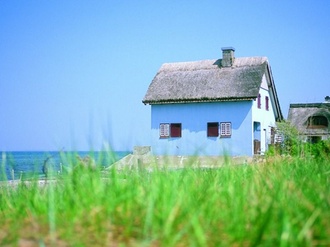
(212, 63)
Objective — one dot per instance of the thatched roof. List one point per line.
(299, 114)
(207, 81)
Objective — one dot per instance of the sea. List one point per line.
(20, 165)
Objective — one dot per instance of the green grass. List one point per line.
(281, 202)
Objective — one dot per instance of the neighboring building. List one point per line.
(311, 120)
(213, 107)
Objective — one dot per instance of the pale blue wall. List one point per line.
(194, 118)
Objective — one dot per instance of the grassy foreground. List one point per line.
(280, 202)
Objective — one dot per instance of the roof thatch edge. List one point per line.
(204, 100)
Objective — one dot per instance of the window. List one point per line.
(314, 139)
(213, 129)
(176, 130)
(164, 130)
(225, 129)
(267, 103)
(259, 101)
(167, 130)
(317, 122)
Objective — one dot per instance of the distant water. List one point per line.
(15, 165)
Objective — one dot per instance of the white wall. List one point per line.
(266, 118)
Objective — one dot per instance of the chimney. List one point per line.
(228, 56)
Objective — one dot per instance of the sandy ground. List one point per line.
(133, 161)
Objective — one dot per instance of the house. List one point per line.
(311, 120)
(213, 107)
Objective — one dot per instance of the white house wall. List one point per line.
(194, 118)
(264, 117)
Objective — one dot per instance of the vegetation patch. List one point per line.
(283, 201)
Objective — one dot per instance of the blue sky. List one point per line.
(73, 73)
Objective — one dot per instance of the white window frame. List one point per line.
(164, 130)
(225, 129)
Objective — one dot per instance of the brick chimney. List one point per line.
(228, 56)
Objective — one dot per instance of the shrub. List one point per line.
(291, 143)
(318, 150)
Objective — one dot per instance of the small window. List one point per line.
(317, 122)
(259, 101)
(267, 103)
(164, 130)
(314, 139)
(175, 130)
(213, 129)
(225, 129)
